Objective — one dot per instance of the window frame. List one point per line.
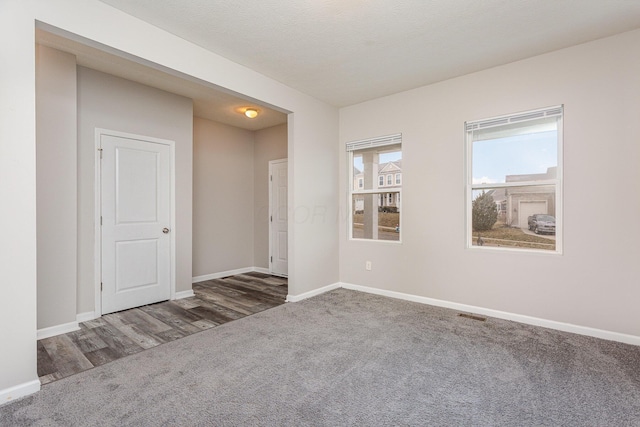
(557, 182)
(381, 142)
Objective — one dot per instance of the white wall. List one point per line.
(313, 205)
(312, 132)
(222, 197)
(18, 195)
(594, 283)
(109, 102)
(56, 155)
(270, 144)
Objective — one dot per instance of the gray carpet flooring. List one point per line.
(349, 358)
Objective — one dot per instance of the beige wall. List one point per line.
(109, 102)
(231, 195)
(222, 197)
(594, 283)
(270, 144)
(56, 157)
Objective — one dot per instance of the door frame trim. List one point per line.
(97, 251)
(270, 182)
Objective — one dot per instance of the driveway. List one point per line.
(545, 236)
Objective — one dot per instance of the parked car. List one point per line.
(542, 223)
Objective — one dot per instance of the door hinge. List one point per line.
(271, 259)
(271, 218)
(270, 177)
(100, 286)
(100, 219)
(100, 150)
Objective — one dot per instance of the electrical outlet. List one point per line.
(367, 265)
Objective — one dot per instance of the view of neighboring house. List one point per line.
(516, 204)
(389, 177)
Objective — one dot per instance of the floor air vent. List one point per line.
(472, 317)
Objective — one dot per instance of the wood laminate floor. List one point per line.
(120, 334)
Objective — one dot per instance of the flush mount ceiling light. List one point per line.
(252, 113)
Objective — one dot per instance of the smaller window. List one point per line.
(374, 216)
(398, 179)
(360, 183)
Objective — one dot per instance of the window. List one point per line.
(374, 215)
(514, 181)
(398, 179)
(360, 183)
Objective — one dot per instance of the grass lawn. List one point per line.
(503, 235)
(385, 219)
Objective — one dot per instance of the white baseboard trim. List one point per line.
(221, 274)
(52, 331)
(529, 320)
(20, 390)
(227, 273)
(184, 294)
(85, 317)
(313, 293)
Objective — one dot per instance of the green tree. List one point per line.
(484, 212)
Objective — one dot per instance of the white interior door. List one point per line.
(278, 217)
(136, 218)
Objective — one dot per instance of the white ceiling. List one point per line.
(348, 51)
(209, 102)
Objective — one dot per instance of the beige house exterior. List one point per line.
(389, 177)
(516, 204)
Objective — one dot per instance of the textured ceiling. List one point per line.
(348, 51)
(208, 102)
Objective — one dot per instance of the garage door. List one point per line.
(529, 208)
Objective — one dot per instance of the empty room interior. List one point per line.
(320, 213)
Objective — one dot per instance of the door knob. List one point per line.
(165, 230)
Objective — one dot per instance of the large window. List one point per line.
(514, 181)
(375, 212)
